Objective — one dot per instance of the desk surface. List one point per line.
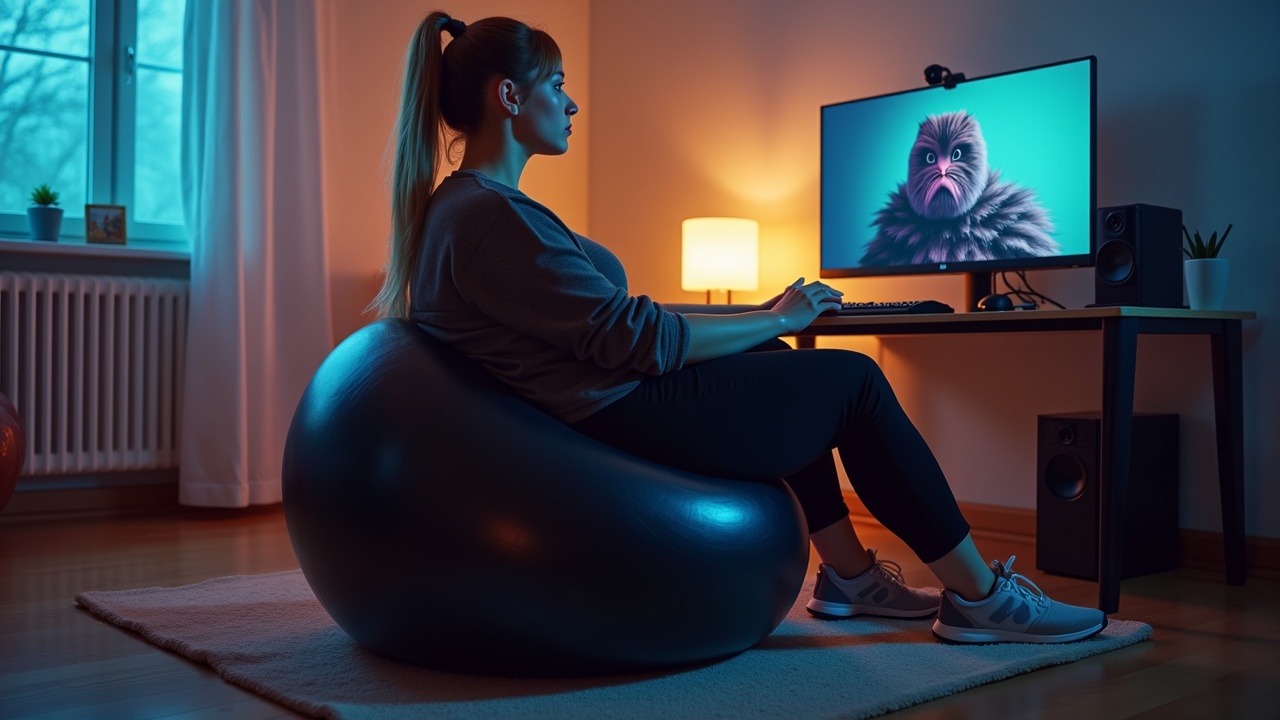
(1013, 320)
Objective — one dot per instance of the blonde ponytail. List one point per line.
(420, 135)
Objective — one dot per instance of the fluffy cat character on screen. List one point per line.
(953, 208)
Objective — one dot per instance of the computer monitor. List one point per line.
(978, 176)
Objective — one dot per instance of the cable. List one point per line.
(1019, 292)
(1025, 292)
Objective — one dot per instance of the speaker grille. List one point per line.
(1115, 222)
(1115, 262)
(1066, 476)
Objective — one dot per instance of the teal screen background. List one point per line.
(1037, 125)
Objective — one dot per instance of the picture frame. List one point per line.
(105, 224)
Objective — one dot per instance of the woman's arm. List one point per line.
(713, 336)
(690, 309)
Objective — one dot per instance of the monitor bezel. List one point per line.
(973, 266)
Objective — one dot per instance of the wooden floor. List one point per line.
(1215, 652)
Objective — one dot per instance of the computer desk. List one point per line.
(1120, 327)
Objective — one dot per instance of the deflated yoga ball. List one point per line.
(443, 521)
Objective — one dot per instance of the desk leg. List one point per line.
(1228, 405)
(1119, 360)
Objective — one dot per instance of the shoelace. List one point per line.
(889, 568)
(1021, 583)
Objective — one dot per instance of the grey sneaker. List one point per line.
(1015, 611)
(878, 591)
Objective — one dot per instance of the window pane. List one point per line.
(44, 113)
(157, 184)
(60, 26)
(160, 32)
(157, 195)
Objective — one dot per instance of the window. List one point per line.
(90, 103)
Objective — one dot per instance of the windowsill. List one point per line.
(74, 256)
(71, 247)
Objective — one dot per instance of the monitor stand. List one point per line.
(977, 285)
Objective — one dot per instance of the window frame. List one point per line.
(112, 107)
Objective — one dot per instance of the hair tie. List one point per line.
(455, 27)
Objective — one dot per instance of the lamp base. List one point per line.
(728, 297)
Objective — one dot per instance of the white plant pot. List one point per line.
(45, 221)
(1206, 283)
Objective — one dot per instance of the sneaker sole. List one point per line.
(840, 611)
(971, 636)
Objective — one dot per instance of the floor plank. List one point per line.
(58, 661)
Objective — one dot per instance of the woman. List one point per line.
(499, 277)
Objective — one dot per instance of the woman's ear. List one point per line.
(509, 97)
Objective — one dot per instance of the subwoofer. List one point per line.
(1067, 495)
(1139, 259)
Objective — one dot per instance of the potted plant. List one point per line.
(45, 219)
(1205, 272)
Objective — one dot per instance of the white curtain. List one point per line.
(259, 322)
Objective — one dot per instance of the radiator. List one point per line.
(94, 366)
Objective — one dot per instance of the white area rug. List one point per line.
(268, 633)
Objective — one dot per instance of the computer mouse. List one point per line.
(995, 302)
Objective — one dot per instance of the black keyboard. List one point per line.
(898, 307)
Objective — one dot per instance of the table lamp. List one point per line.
(719, 253)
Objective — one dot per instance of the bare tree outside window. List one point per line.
(44, 101)
(159, 112)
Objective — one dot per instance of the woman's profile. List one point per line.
(499, 277)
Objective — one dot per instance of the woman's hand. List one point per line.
(768, 304)
(799, 304)
(713, 336)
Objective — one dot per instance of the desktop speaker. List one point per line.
(1139, 259)
(1067, 496)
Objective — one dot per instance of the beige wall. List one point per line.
(369, 41)
(711, 107)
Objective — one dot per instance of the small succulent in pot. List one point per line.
(44, 218)
(44, 196)
(1199, 249)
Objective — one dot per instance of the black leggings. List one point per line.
(772, 413)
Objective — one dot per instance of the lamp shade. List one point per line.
(720, 253)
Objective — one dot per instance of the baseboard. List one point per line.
(1202, 550)
(81, 503)
(1198, 549)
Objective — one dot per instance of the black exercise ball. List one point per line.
(444, 521)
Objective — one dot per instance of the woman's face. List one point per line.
(543, 125)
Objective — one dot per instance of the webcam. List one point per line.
(938, 75)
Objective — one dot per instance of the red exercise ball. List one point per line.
(13, 447)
